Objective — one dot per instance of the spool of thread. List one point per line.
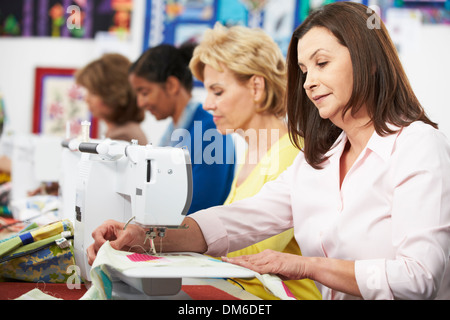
(85, 129)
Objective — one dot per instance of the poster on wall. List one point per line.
(432, 11)
(64, 18)
(59, 106)
(178, 21)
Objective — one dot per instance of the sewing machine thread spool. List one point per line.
(85, 128)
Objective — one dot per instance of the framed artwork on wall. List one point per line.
(59, 106)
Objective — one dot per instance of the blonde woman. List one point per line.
(244, 74)
(368, 197)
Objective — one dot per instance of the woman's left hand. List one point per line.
(284, 265)
(336, 274)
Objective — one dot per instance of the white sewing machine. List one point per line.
(152, 186)
(35, 159)
(35, 163)
(70, 157)
(120, 181)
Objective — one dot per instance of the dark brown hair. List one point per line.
(107, 77)
(379, 81)
(159, 63)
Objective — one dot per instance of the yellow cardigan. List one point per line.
(278, 158)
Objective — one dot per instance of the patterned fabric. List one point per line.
(39, 255)
(109, 258)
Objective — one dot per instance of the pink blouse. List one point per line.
(391, 215)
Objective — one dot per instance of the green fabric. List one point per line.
(29, 248)
(41, 260)
(10, 245)
(13, 243)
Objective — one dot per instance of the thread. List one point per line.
(85, 128)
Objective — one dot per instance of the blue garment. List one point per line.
(212, 156)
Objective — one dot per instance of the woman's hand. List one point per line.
(284, 265)
(133, 238)
(334, 273)
(130, 239)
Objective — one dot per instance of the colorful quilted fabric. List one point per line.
(35, 256)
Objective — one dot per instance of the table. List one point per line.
(192, 289)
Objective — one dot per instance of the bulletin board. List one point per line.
(431, 12)
(176, 21)
(58, 100)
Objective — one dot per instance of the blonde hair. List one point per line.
(245, 52)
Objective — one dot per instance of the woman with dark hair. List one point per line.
(110, 97)
(245, 93)
(380, 89)
(163, 84)
(369, 198)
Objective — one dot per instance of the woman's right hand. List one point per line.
(130, 239)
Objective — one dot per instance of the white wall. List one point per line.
(18, 59)
(20, 56)
(427, 65)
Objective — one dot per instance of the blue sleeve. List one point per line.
(213, 163)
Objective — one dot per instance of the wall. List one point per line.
(20, 56)
(427, 65)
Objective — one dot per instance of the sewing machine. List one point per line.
(35, 165)
(123, 181)
(35, 160)
(146, 185)
(70, 157)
